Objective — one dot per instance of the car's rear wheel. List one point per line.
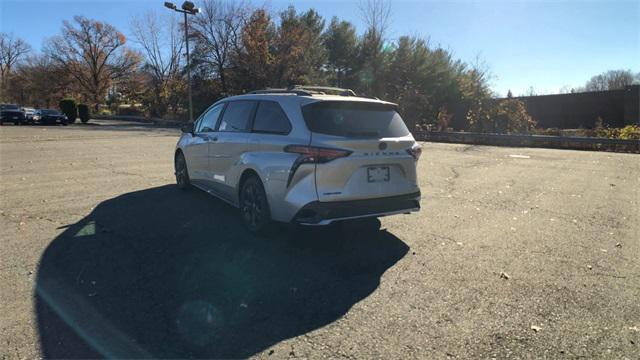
(182, 174)
(254, 207)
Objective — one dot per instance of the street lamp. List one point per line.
(188, 8)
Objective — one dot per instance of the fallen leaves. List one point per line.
(536, 328)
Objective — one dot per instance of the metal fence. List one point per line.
(557, 142)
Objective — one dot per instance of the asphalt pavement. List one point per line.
(517, 252)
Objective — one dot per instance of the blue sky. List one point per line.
(543, 44)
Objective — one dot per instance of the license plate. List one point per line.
(15, 118)
(378, 174)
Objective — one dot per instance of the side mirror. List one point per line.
(187, 128)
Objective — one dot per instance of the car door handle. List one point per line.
(215, 138)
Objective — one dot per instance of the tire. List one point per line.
(181, 172)
(254, 207)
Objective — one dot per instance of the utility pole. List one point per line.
(188, 8)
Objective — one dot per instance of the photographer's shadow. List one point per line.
(166, 273)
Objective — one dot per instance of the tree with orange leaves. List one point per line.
(255, 60)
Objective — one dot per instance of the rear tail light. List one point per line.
(415, 151)
(317, 155)
(312, 155)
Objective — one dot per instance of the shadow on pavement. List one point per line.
(166, 273)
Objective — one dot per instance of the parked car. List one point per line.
(36, 116)
(11, 113)
(302, 156)
(29, 114)
(52, 117)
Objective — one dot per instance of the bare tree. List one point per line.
(530, 92)
(610, 80)
(94, 53)
(218, 30)
(11, 51)
(40, 83)
(565, 89)
(377, 15)
(162, 42)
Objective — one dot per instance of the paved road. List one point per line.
(517, 252)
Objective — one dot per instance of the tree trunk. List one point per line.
(223, 80)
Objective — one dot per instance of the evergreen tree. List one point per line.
(341, 43)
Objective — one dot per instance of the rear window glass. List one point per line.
(354, 119)
(271, 119)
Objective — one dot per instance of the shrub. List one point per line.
(506, 116)
(630, 132)
(130, 111)
(69, 108)
(546, 132)
(511, 115)
(83, 113)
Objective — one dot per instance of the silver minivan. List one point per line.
(302, 156)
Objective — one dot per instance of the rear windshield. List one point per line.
(9, 107)
(354, 119)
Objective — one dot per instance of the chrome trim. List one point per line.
(329, 221)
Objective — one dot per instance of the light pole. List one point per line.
(188, 8)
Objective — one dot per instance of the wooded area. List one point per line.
(238, 47)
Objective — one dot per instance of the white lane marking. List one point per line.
(520, 156)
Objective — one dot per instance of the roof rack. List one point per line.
(306, 90)
(326, 89)
(298, 92)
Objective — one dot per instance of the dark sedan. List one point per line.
(52, 117)
(11, 113)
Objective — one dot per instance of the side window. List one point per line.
(208, 121)
(270, 118)
(237, 116)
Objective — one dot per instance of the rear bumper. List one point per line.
(324, 213)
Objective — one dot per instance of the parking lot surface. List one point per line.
(516, 252)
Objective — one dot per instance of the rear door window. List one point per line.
(237, 116)
(271, 119)
(354, 119)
